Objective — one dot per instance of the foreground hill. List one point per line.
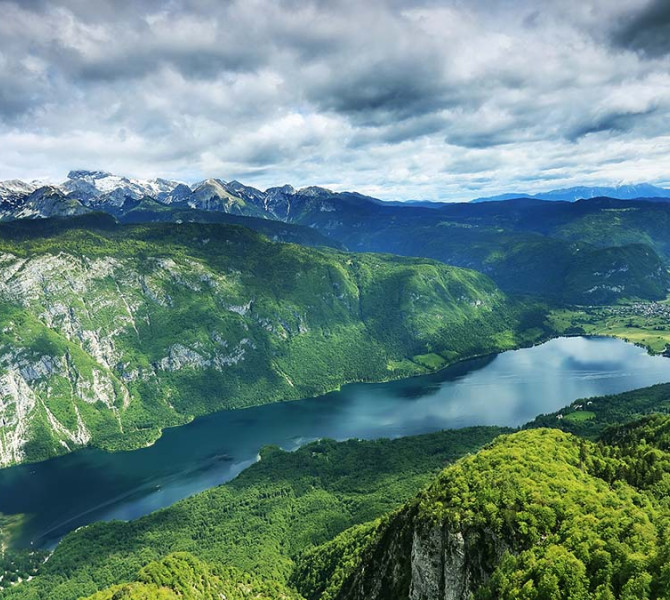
(537, 515)
(109, 334)
(181, 576)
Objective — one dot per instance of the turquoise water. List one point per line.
(507, 389)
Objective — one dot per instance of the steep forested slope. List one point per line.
(537, 515)
(109, 334)
(604, 275)
(263, 519)
(564, 251)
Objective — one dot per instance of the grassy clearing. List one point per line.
(645, 324)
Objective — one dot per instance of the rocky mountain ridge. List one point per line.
(84, 191)
(101, 190)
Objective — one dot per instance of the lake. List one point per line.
(507, 389)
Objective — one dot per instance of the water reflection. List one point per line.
(508, 389)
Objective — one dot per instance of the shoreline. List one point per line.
(198, 457)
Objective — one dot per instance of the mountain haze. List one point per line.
(572, 194)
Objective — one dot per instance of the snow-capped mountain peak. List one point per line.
(13, 188)
(89, 185)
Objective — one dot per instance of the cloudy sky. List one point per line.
(400, 99)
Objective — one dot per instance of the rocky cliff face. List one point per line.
(60, 352)
(417, 560)
(76, 339)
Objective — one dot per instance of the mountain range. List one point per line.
(572, 194)
(588, 252)
(85, 191)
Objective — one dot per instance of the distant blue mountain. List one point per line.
(422, 203)
(622, 192)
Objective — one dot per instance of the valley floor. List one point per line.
(643, 323)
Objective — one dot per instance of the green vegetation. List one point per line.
(529, 263)
(109, 333)
(537, 515)
(605, 275)
(591, 417)
(153, 212)
(545, 514)
(16, 564)
(181, 576)
(619, 223)
(147, 326)
(644, 323)
(538, 248)
(579, 416)
(262, 520)
(570, 534)
(321, 571)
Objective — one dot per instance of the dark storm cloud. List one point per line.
(17, 92)
(611, 122)
(110, 41)
(399, 98)
(381, 92)
(134, 63)
(647, 30)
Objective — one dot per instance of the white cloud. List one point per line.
(438, 100)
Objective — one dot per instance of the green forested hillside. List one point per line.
(108, 334)
(605, 275)
(181, 576)
(563, 270)
(582, 252)
(260, 521)
(606, 222)
(591, 417)
(537, 515)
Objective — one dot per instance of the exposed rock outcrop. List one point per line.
(421, 560)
